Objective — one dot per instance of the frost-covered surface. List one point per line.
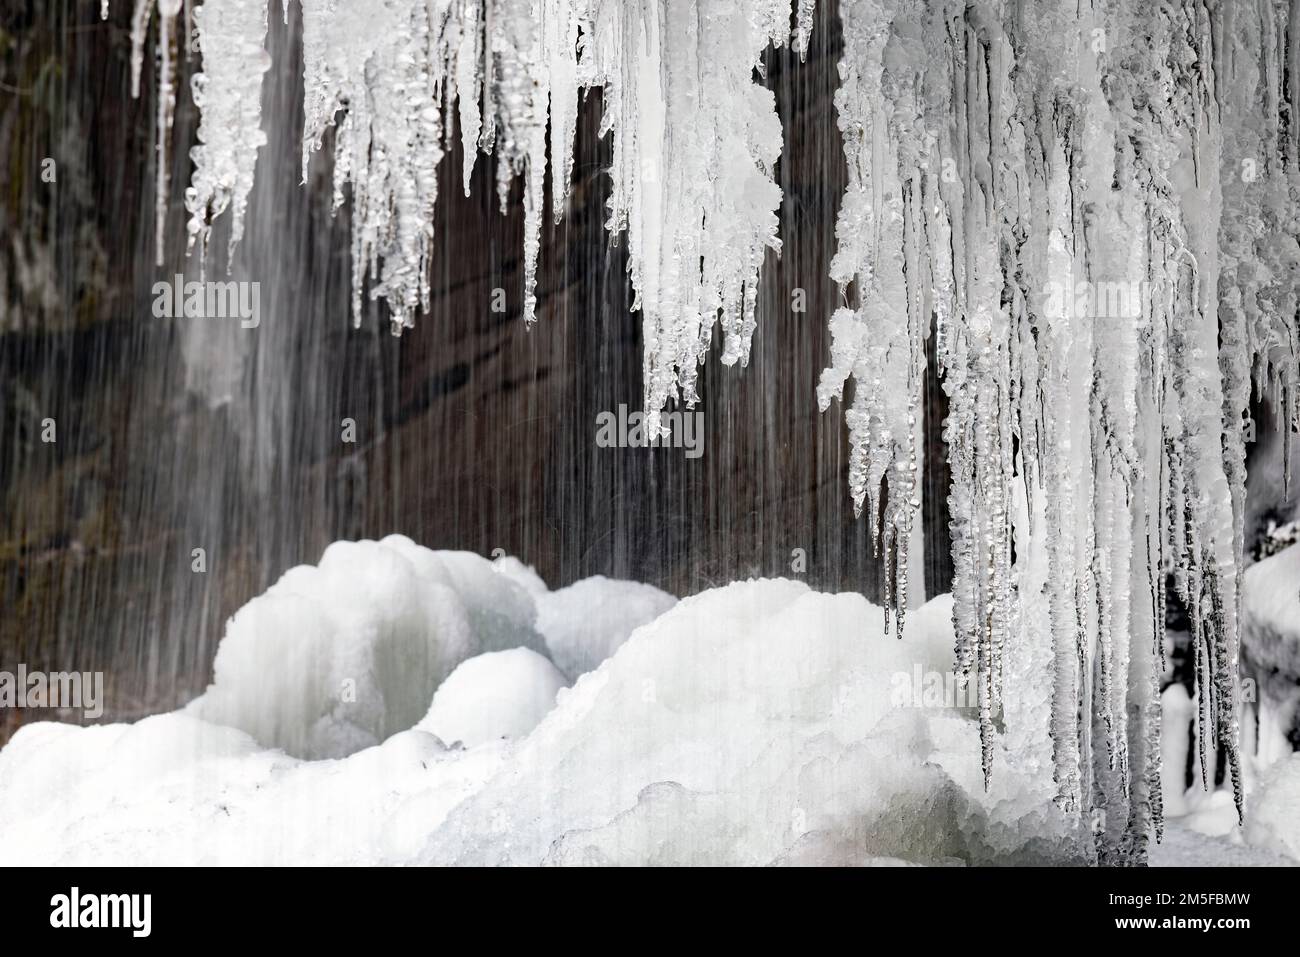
(1275, 814)
(502, 694)
(755, 723)
(752, 724)
(174, 790)
(1271, 650)
(1184, 847)
(1103, 358)
(232, 38)
(586, 622)
(525, 576)
(336, 657)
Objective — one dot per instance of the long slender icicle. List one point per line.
(168, 13)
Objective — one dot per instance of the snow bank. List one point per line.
(587, 622)
(1270, 648)
(757, 723)
(337, 657)
(753, 724)
(1274, 818)
(525, 576)
(173, 790)
(503, 694)
(1186, 847)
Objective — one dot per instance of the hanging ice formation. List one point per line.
(1098, 206)
(695, 138)
(168, 12)
(1092, 208)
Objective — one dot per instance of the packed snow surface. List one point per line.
(1270, 638)
(338, 656)
(586, 622)
(757, 723)
(1275, 813)
(497, 695)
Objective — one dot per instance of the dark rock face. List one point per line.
(472, 431)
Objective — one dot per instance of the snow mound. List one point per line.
(502, 694)
(1270, 647)
(521, 574)
(337, 657)
(754, 724)
(1183, 846)
(173, 790)
(586, 622)
(1274, 819)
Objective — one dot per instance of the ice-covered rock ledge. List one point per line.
(753, 724)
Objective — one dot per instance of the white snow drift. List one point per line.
(749, 724)
(586, 623)
(1270, 644)
(336, 657)
(760, 723)
(757, 724)
(1275, 814)
(503, 694)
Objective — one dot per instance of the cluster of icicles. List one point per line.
(1093, 208)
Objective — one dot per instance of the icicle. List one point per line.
(228, 93)
(1057, 192)
(803, 30)
(139, 32)
(880, 343)
(383, 70)
(466, 82)
(559, 46)
(695, 143)
(167, 13)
